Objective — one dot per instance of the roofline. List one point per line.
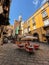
(38, 9)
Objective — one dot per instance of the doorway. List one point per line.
(36, 35)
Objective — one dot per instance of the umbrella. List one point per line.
(28, 38)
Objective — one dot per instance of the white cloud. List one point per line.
(43, 2)
(35, 2)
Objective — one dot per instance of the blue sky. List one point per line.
(25, 8)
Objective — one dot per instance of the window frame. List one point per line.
(33, 21)
(28, 28)
(44, 14)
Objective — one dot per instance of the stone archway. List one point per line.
(36, 35)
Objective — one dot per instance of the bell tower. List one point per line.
(20, 20)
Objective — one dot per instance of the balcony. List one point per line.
(46, 17)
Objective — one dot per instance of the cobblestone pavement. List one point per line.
(10, 55)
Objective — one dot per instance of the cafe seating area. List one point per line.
(27, 45)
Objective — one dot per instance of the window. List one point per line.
(44, 14)
(34, 23)
(46, 22)
(34, 27)
(28, 28)
(28, 23)
(25, 30)
(48, 2)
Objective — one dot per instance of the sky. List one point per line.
(25, 8)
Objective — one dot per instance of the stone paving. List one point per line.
(10, 55)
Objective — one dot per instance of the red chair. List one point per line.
(28, 47)
(36, 46)
(20, 45)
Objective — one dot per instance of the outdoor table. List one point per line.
(29, 48)
(36, 46)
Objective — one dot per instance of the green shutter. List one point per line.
(17, 29)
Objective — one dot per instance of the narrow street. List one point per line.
(24, 24)
(10, 55)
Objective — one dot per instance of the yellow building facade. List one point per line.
(38, 23)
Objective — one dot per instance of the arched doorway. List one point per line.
(36, 35)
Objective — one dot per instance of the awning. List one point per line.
(28, 38)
